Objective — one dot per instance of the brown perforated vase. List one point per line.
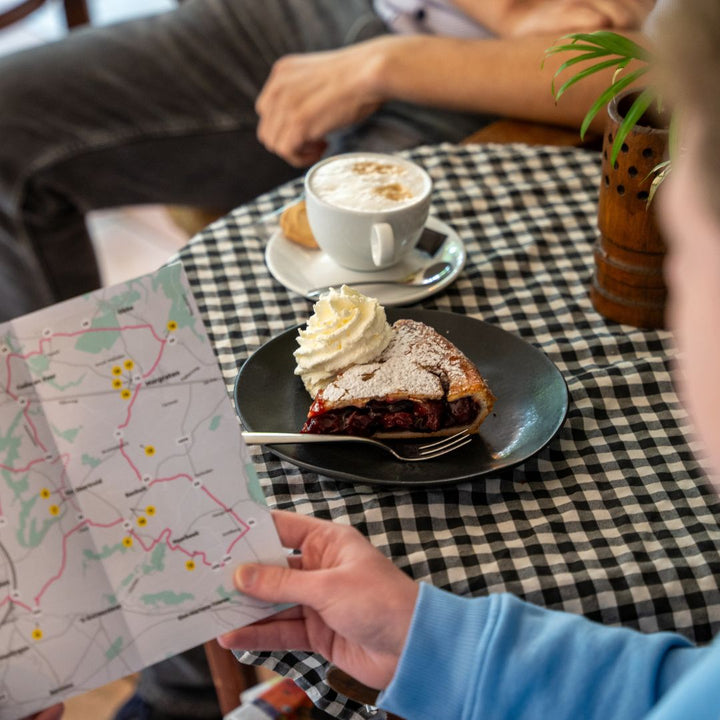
(628, 285)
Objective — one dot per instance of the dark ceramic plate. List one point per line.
(532, 402)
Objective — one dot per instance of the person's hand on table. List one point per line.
(307, 96)
(52, 713)
(354, 606)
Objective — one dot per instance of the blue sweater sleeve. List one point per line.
(499, 658)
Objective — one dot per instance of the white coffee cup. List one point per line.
(367, 210)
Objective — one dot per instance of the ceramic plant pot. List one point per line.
(628, 285)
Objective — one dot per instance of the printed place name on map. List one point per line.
(109, 360)
(32, 383)
(204, 608)
(137, 491)
(80, 488)
(100, 613)
(177, 541)
(62, 688)
(162, 378)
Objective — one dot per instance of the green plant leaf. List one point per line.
(585, 57)
(641, 103)
(585, 73)
(590, 55)
(610, 50)
(608, 95)
(613, 42)
(573, 47)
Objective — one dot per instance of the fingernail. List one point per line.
(245, 576)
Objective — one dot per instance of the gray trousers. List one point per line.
(160, 110)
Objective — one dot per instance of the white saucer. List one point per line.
(302, 270)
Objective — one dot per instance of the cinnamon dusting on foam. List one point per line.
(393, 191)
(375, 167)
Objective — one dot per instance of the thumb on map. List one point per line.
(274, 583)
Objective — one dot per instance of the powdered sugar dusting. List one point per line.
(418, 363)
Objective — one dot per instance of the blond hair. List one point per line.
(689, 45)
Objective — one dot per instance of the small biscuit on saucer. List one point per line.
(295, 226)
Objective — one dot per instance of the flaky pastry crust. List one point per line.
(419, 364)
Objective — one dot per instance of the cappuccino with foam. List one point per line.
(368, 183)
(366, 210)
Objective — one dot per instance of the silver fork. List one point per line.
(408, 452)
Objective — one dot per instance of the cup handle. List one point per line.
(382, 244)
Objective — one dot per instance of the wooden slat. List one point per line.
(19, 11)
(76, 13)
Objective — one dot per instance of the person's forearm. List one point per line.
(495, 77)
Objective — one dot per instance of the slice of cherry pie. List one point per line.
(421, 385)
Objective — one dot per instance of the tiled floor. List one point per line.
(129, 242)
(132, 241)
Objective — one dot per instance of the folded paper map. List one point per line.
(127, 497)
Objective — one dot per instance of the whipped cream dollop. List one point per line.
(346, 328)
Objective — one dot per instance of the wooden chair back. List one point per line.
(76, 12)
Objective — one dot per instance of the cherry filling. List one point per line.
(404, 415)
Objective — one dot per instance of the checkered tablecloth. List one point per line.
(614, 519)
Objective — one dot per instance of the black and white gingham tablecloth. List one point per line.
(614, 519)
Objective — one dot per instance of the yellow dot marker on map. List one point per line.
(149, 450)
(129, 364)
(125, 394)
(44, 493)
(117, 383)
(117, 370)
(127, 541)
(37, 634)
(190, 565)
(54, 510)
(172, 326)
(142, 521)
(150, 509)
